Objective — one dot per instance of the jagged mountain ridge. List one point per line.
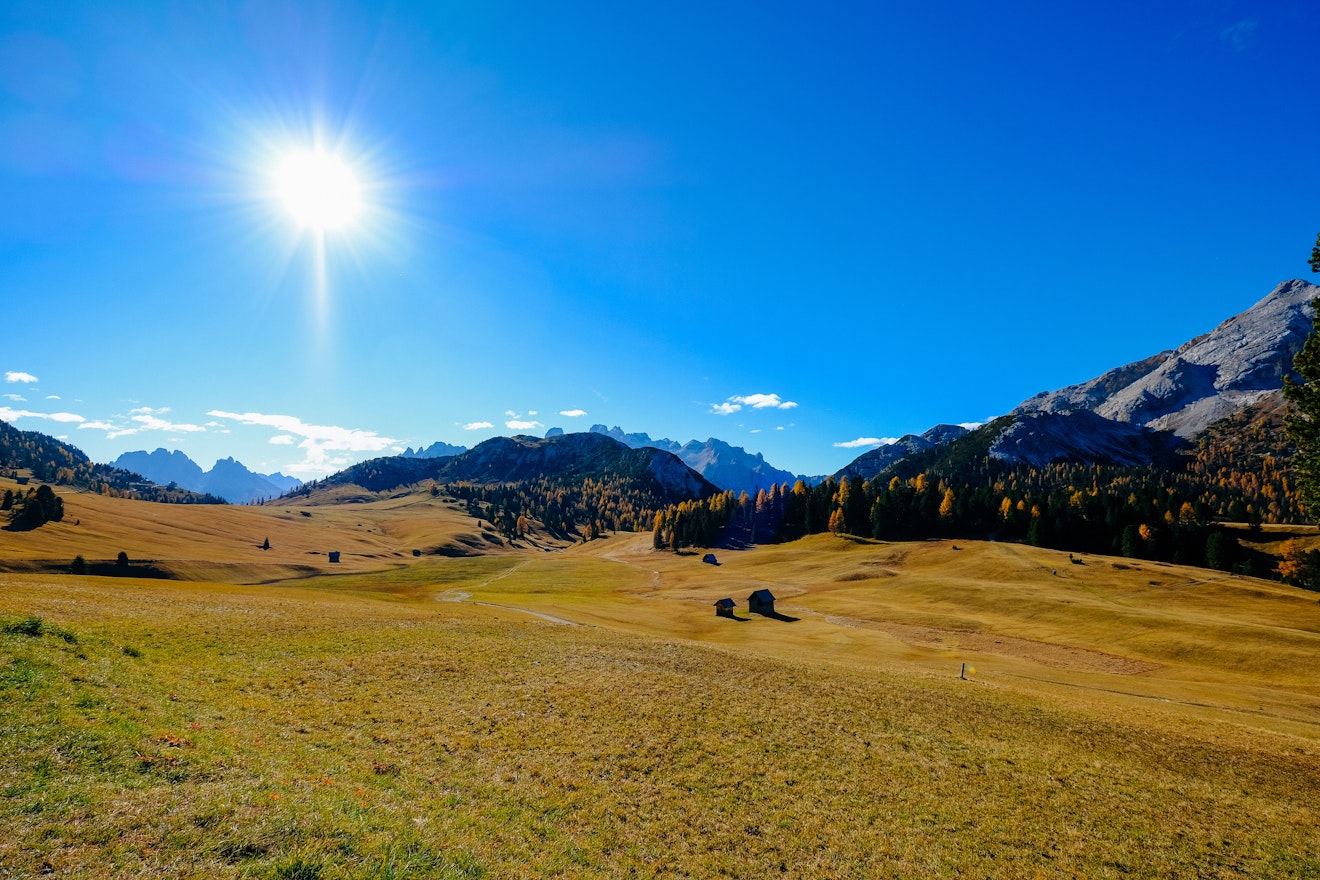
(874, 461)
(438, 449)
(1206, 379)
(573, 457)
(55, 461)
(727, 466)
(1142, 412)
(227, 478)
(566, 457)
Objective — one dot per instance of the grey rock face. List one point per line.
(1039, 438)
(1206, 379)
(873, 461)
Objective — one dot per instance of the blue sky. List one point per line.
(788, 227)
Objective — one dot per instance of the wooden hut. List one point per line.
(724, 608)
(334, 555)
(761, 602)
(710, 559)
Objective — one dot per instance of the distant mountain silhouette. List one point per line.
(435, 450)
(727, 466)
(227, 479)
(54, 461)
(564, 457)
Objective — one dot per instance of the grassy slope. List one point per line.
(222, 543)
(1147, 720)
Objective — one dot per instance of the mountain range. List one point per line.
(227, 478)
(561, 457)
(1143, 412)
(1136, 414)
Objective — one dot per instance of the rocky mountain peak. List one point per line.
(1203, 380)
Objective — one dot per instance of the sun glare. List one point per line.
(318, 189)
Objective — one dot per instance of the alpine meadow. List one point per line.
(874, 441)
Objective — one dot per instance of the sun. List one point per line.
(319, 189)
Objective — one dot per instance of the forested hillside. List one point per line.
(1237, 471)
(53, 461)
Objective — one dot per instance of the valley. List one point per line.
(583, 712)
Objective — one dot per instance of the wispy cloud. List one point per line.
(865, 441)
(477, 426)
(325, 447)
(17, 398)
(1240, 35)
(149, 419)
(143, 418)
(53, 397)
(26, 378)
(753, 401)
(8, 414)
(521, 425)
(283, 440)
(573, 413)
(971, 426)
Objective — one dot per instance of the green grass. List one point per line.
(269, 732)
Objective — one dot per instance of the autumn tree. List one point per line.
(838, 525)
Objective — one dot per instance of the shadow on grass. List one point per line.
(775, 615)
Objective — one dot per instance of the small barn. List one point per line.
(724, 608)
(710, 559)
(761, 602)
(334, 555)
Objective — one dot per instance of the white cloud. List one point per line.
(52, 397)
(763, 401)
(754, 401)
(8, 414)
(147, 418)
(521, 425)
(865, 441)
(573, 413)
(971, 426)
(283, 440)
(511, 414)
(96, 426)
(531, 412)
(26, 378)
(477, 426)
(754, 431)
(324, 446)
(17, 398)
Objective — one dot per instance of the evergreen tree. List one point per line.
(1304, 421)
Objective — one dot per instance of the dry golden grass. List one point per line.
(222, 543)
(408, 716)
